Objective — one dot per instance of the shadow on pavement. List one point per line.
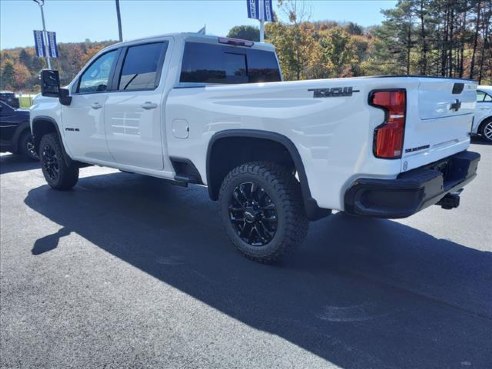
(10, 163)
(361, 293)
(477, 140)
(49, 242)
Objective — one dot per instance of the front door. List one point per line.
(134, 113)
(83, 120)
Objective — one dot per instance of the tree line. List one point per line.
(446, 38)
(449, 38)
(20, 67)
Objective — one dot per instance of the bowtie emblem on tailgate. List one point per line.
(456, 105)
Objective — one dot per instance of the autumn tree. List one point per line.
(26, 58)
(21, 76)
(295, 48)
(338, 49)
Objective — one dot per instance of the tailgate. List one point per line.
(439, 118)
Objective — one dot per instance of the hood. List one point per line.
(22, 112)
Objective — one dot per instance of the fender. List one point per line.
(313, 211)
(36, 139)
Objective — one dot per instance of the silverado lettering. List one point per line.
(333, 92)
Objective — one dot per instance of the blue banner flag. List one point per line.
(268, 10)
(255, 8)
(39, 44)
(52, 47)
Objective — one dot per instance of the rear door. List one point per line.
(439, 119)
(134, 111)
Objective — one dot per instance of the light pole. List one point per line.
(45, 34)
(262, 21)
(118, 15)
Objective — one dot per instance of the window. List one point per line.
(96, 77)
(141, 68)
(208, 63)
(480, 96)
(5, 109)
(213, 64)
(262, 66)
(483, 97)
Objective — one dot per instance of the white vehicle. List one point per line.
(213, 111)
(482, 122)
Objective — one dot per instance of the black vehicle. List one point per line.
(15, 131)
(9, 98)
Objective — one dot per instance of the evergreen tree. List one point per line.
(245, 33)
(8, 73)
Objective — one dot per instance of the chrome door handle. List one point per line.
(148, 105)
(96, 105)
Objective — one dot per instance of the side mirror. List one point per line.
(65, 98)
(50, 83)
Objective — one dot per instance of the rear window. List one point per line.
(208, 63)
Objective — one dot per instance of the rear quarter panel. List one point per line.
(332, 135)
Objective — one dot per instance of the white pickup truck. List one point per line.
(214, 111)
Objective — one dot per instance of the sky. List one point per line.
(78, 20)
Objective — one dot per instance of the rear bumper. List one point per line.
(411, 191)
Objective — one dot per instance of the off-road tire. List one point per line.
(57, 173)
(283, 190)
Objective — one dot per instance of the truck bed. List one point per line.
(330, 122)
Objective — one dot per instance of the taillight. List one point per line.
(388, 137)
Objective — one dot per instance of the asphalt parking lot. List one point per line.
(127, 271)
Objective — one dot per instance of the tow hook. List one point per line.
(450, 201)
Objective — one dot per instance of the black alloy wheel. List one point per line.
(26, 146)
(50, 162)
(253, 214)
(31, 149)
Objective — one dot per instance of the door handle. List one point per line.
(96, 105)
(148, 105)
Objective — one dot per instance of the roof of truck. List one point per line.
(190, 35)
